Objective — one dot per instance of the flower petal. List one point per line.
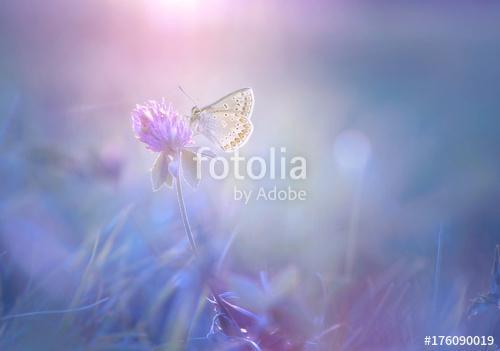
(190, 168)
(159, 172)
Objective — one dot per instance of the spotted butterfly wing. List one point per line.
(227, 121)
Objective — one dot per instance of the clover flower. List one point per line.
(160, 127)
(164, 130)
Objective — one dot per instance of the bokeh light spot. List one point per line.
(352, 150)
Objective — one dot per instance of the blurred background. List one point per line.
(395, 106)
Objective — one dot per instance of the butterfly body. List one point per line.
(226, 122)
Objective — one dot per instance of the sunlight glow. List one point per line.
(177, 4)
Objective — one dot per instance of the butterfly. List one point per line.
(226, 122)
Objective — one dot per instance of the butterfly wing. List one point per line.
(227, 121)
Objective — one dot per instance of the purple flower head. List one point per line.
(160, 127)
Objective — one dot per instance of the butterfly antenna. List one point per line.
(187, 95)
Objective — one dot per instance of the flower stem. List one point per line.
(182, 208)
(190, 236)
